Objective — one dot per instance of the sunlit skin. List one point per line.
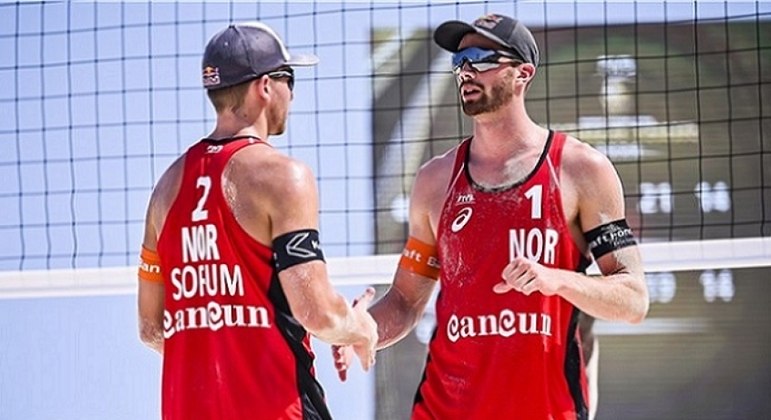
(280, 112)
(269, 194)
(506, 146)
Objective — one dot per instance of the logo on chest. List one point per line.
(463, 216)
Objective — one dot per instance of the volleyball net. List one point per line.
(100, 97)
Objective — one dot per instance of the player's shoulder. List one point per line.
(582, 161)
(439, 167)
(165, 192)
(589, 172)
(168, 184)
(432, 180)
(269, 169)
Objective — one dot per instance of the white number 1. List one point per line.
(535, 195)
(199, 213)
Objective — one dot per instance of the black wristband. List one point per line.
(609, 237)
(296, 247)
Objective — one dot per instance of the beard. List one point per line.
(500, 94)
(279, 128)
(277, 117)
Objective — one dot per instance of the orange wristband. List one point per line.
(420, 258)
(150, 266)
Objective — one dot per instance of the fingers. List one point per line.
(366, 356)
(366, 350)
(342, 356)
(342, 359)
(516, 276)
(365, 299)
(502, 288)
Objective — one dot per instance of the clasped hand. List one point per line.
(365, 350)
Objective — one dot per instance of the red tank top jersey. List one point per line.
(232, 348)
(503, 356)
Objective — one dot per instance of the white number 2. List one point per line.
(535, 195)
(199, 213)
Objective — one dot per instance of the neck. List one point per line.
(506, 132)
(232, 124)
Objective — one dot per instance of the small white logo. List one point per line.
(295, 249)
(465, 199)
(464, 215)
(214, 148)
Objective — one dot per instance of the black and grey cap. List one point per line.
(244, 51)
(504, 30)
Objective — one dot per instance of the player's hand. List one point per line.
(526, 276)
(366, 350)
(342, 356)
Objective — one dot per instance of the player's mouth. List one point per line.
(470, 91)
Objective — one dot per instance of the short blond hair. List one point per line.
(229, 98)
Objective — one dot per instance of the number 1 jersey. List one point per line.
(503, 355)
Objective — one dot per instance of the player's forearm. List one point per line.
(337, 324)
(615, 297)
(395, 318)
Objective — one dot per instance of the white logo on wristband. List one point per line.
(295, 249)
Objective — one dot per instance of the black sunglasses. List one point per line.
(286, 73)
(480, 59)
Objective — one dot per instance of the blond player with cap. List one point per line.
(232, 275)
(507, 222)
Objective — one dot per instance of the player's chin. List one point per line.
(473, 107)
(470, 98)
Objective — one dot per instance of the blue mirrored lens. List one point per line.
(472, 55)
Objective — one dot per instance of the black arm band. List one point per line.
(609, 237)
(295, 248)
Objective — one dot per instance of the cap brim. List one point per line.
(449, 34)
(302, 60)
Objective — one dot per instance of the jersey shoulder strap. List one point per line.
(460, 161)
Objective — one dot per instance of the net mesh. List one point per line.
(100, 98)
(105, 95)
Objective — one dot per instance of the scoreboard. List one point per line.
(687, 140)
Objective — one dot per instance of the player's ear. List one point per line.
(262, 86)
(526, 72)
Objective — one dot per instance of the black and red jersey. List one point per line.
(503, 355)
(232, 348)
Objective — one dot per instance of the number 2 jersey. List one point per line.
(232, 348)
(503, 355)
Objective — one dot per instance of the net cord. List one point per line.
(379, 269)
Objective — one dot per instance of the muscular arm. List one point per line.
(150, 295)
(621, 292)
(311, 297)
(400, 309)
(150, 298)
